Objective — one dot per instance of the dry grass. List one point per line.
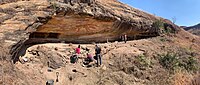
(4, 54)
(7, 1)
(196, 80)
(185, 78)
(182, 78)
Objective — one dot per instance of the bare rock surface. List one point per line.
(27, 16)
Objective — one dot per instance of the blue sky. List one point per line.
(187, 12)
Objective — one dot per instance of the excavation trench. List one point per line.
(80, 29)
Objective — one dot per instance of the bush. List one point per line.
(54, 6)
(169, 61)
(172, 61)
(143, 61)
(168, 30)
(191, 64)
(162, 27)
(158, 24)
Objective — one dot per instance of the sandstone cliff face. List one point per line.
(7, 1)
(27, 16)
(81, 21)
(89, 21)
(76, 21)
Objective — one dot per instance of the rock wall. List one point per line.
(130, 21)
(7, 1)
(20, 19)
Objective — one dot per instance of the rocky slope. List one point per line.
(135, 62)
(7, 1)
(26, 23)
(193, 29)
(118, 20)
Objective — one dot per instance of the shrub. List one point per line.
(172, 61)
(169, 61)
(158, 24)
(191, 64)
(162, 27)
(143, 61)
(54, 6)
(168, 30)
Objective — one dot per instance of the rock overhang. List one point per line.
(84, 28)
(114, 17)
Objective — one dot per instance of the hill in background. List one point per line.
(193, 29)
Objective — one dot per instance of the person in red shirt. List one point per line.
(89, 57)
(88, 60)
(74, 57)
(78, 50)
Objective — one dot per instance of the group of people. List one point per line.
(90, 57)
(124, 38)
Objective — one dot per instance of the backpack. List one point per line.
(73, 58)
(95, 57)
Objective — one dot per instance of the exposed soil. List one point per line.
(120, 64)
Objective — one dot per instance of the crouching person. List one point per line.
(74, 59)
(88, 60)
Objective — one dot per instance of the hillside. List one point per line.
(39, 36)
(193, 29)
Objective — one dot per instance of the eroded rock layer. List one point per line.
(77, 21)
(87, 21)
(76, 28)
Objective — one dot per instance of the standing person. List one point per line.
(78, 50)
(98, 55)
(125, 38)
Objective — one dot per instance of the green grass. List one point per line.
(169, 61)
(159, 24)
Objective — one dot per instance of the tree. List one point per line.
(158, 25)
(173, 20)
